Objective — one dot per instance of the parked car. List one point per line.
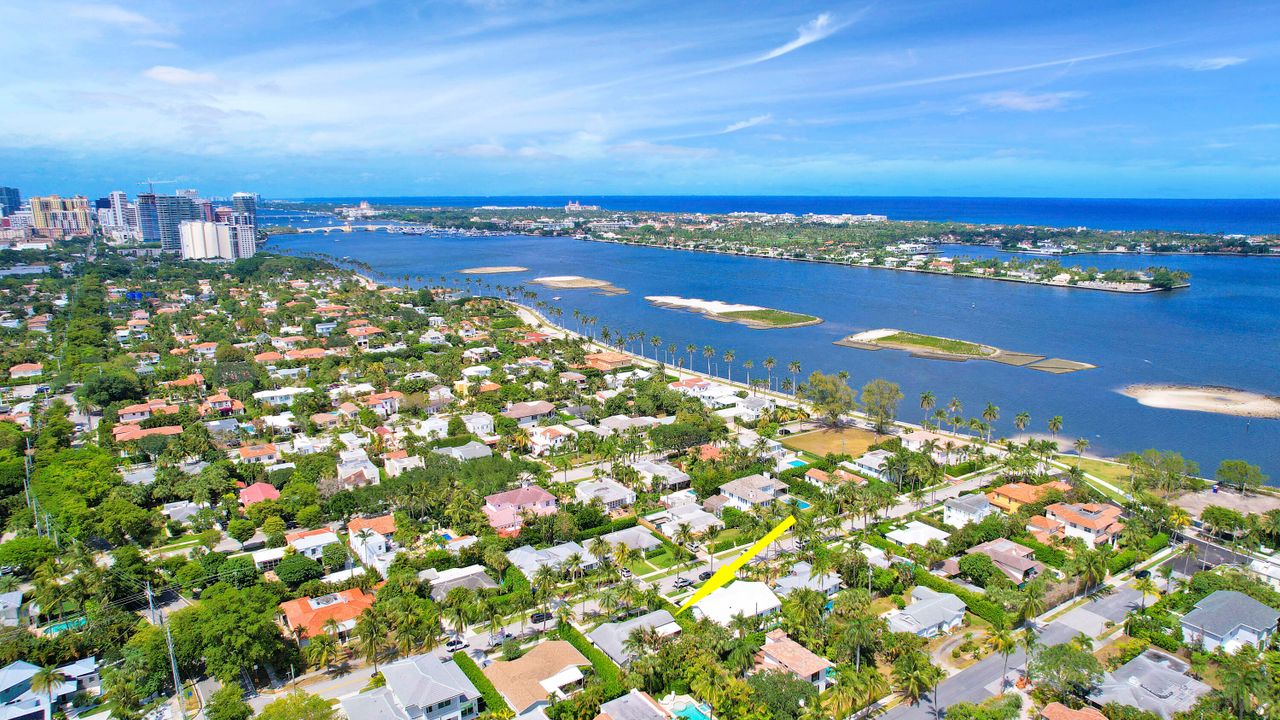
(705, 575)
(683, 582)
(455, 645)
(625, 572)
(540, 617)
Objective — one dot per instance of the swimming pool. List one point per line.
(800, 503)
(797, 463)
(56, 628)
(446, 537)
(694, 712)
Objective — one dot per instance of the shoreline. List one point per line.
(1116, 291)
(874, 340)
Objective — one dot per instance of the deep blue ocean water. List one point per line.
(1211, 216)
(1224, 330)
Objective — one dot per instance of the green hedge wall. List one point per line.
(977, 604)
(492, 698)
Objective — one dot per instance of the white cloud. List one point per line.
(170, 75)
(115, 15)
(744, 124)
(1214, 63)
(1027, 102)
(819, 28)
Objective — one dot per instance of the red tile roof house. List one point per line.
(306, 617)
(385, 404)
(130, 432)
(265, 454)
(26, 370)
(221, 403)
(258, 492)
(780, 652)
(143, 411)
(505, 508)
(1095, 524)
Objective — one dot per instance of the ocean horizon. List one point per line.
(1217, 216)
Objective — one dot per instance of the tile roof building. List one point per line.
(550, 671)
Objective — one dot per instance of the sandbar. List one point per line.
(934, 347)
(1206, 398)
(575, 282)
(753, 316)
(492, 269)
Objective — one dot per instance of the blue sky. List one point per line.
(931, 97)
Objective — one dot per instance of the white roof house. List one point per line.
(917, 533)
(930, 614)
(747, 598)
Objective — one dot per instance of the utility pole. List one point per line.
(173, 663)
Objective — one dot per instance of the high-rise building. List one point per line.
(10, 201)
(245, 232)
(188, 193)
(201, 240)
(119, 209)
(246, 203)
(205, 209)
(159, 218)
(68, 215)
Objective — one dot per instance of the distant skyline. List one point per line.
(297, 98)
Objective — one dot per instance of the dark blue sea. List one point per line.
(1223, 331)
(1208, 216)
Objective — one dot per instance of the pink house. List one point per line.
(504, 508)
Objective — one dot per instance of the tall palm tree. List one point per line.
(1002, 641)
(1021, 420)
(1081, 444)
(46, 680)
(1146, 586)
(990, 414)
(1055, 425)
(914, 675)
(769, 364)
(321, 650)
(708, 352)
(728, 362)
(1032, 602)
(690, 349)
(372, 633)
(1242, 679)
(927, 402)
(794, 368)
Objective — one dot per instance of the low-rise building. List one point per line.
(561, 557)
(752, 491)
(1153, 682)
(505, 509)
(611, 493)
(472, 577)
(931, 613)
(1011, 497)
(780, 652)
(1229, 619)
(550, 671)
(1094, 523)
(422, 687)
(306, 617)
(743, 597)
(612, 638)
(635, 705)
(960, 511)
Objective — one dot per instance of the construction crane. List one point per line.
(152, 183)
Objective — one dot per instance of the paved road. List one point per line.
(935, 496)
(1207, 555)
(982, 679)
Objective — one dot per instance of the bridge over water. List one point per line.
(401, 228)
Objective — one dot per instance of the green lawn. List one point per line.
(775, 318)
(1114, 473)
(931, 342)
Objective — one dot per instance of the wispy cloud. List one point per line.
(819, 28)
(153, 43)
(748, 123)
(170, 75)
(1027, 102)
(115, 15)
(1214, 63)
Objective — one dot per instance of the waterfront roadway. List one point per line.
(982, 679)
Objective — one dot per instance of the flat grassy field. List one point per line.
(851, 441)
(1114, 473)
(776, 318)
(930, 342)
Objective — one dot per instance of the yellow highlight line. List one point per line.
(728, 572)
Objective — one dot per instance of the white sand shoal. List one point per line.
(712, 307)
(1220, 400)
(873, 335)
(492, 269)
(571, 281)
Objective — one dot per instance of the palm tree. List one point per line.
(1146, 586)
(747, 365)
(990, 414)
(1002, 641)
(914, 674)
(46, 680)
(690, 349)
(1242, 679)
(1030, 645)
(1032, 601)
(1081, 445)
(1092, 567)
(372, 632)
(769, 364)
(321, 650)
(728, 361)
(708, 352)
(1055, 425)
(927, 402)
(794, 367)
(1021, 420)
(683, 536)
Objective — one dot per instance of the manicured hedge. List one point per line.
(604, 667)
(616, 525)
(1158, 542)
(1122, 561)
(977, 604)
(492, 698)
(1044, 553)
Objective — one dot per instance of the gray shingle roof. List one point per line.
(612, 637)
(1222, 612)
(1151, 682)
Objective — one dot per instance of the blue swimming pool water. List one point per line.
(56, 628)
(800, 504)
(797, 463)
(694, 712)
(446, 537)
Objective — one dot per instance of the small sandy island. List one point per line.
(753, 316)
(933, 347)
(1220, 400)
(575, 282)
(492, 269)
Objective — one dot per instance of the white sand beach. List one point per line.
(1220, 400)
(492, 269)
(711, 307)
